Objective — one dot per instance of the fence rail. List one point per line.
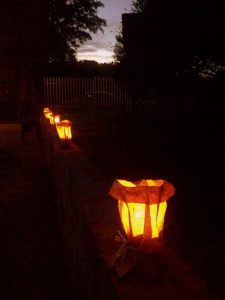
(104, 94)
(85, 94)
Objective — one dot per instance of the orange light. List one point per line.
(48, 114)
(51, 119)
(64, 130)
(46, 109)
(142, 206)
(56, 119)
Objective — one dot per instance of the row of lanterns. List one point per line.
(142, 207)
(63, 127)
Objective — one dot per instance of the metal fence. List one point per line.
(105, 94)
(86, 94)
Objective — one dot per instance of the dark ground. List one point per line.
(186, 150)
(31, 262)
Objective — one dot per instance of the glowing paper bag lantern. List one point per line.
(48, 114)
(46, 109)
(64, 130)
(56, 119)
(142, 206)
(51, 119)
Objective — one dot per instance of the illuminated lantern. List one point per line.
(56, 119)
(46, 109)
(51, 119)
(64, 131)
(142, 206)
(48, 114)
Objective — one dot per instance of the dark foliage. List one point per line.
(161, 39)
(40, 30)
(70, 24)
(78, 69)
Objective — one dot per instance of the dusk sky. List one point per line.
(100, 48)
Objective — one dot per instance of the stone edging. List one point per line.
(89, 219)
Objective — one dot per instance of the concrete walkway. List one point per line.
(31, 263)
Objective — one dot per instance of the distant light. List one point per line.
(48, 114)
(100, 55)
(64, 130)
(56, 119)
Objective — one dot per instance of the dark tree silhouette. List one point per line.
(139, 6)
(84, 68)
(119, 52)
(170, 36)
(165, 44)
(31, 29)
(70, 24)
(36, 32)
